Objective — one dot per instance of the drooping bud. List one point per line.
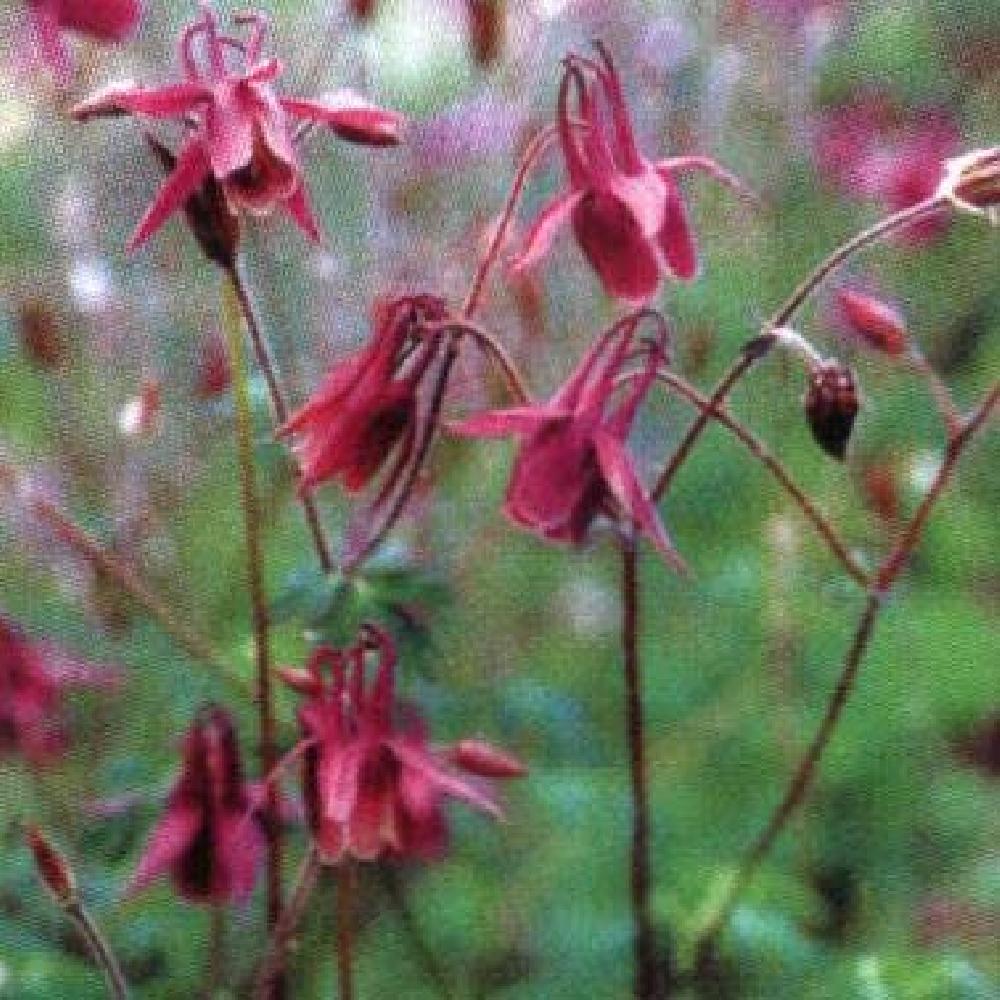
(487, 22)
(212, 222)
(363, 10)
(40, 335)
(874, 322)
(831, 404)
(52, 867)
(972, 182)
(485, 760)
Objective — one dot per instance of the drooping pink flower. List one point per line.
(33, 676)
(239, 129)
(209, 840)
(872, 148)
(104, 20)
(365, 410)
(574, 463)
(372, 785)
(626, 211)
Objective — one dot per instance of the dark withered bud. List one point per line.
(214, 225)
(51, 866)
(487, 24)
(40, 335)
(831, 404)
(363, 10)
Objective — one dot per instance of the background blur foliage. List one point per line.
(887, 884)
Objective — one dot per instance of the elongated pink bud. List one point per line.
(485, 760)
(876, 323)
(51, 866)
(302, 681)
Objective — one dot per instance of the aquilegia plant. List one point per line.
(348, 777)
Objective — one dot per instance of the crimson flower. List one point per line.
(573, 463)
(371, 783)
(626, 211)
(105, 20)
(209, 840)
(33, 675)
(366, 407)
(239, 129)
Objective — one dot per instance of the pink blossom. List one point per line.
(372, 785)
(104, 20)
(573, 463)
(626, 212)
(209, 840)
(365, 410)
(33, 675)
(871, 148)
(239, 130)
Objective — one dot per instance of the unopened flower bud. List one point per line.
(972, 182)
(302, 681)
(363, 10)
(486, 29)
(485, 760)
(831, 404)
(51, 866)
(214, 225)
(874, 322)
(40, 335)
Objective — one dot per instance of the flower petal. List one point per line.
(300, 209)
(349, 116)
(619, 474)
(675, 237)
(124, 98)
(108, 20)
(543, 230)
(168, 841)
(190, 169)
(500, 423)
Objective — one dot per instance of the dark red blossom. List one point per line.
(239, 129)
(366, 408)
(33, 676)
(104, 20)
(372, 785)
(209, 840)
(574, 463)
(626, 212)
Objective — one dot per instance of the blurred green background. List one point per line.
(887, 884)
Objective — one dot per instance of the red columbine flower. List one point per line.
(105, 20)
(372, 786)
(573, 463)
(239, 128)
(626, 211)
(33, 675)
(365, 410)
(209, 840)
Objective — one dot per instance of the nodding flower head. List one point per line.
(209, 839)
(626, 211)
(574, 463)
(372, 784)
(366, 409)
(240, 131)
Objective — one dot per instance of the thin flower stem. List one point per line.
(119, 572)
(215, 965)
(346, 874)
(291, 917)
(539, 143)
(883, 581)
(98, 948)
(646, 987)
(759, 450)
(258, 597)
(940, 392)
(279, 404)
(759, 347)
(492, 349)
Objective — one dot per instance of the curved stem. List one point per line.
(345, 931)
(258, 597)
(645, 945)
(536, 147)
(98, 948)
(759, 450)
(492, 349)
(884, 579)
(279, 404)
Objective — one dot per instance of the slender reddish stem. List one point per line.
(884, 579)
(346, 875)
(98, 948)
(492, 349)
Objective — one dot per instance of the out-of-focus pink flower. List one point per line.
(33, 676)
(365, 410)
(871, 148)
(626, 212)
(214, 374)
(872, 321)
(574, 462)
(209, 840)
(240, 130)
(105, 20)
(371, 783)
